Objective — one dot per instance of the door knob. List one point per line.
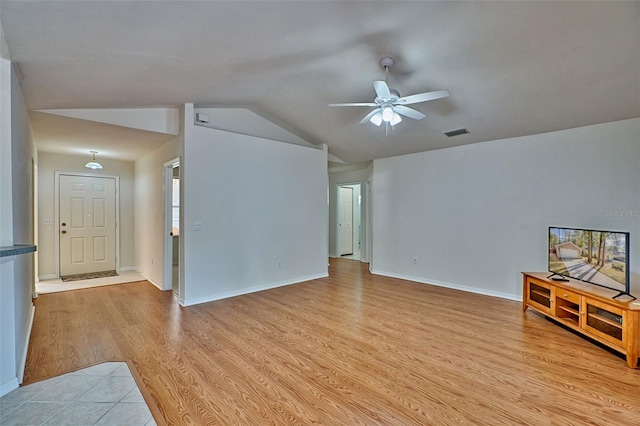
(64, 231)
(64, 224)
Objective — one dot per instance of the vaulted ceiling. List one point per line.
(513, 68)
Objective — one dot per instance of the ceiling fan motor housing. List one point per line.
(395, 95)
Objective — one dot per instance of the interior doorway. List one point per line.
(349, 234)
(172, 226)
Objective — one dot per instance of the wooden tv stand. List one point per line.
(587, 309)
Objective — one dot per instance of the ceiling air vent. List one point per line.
(457, 132)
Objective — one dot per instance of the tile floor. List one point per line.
(55, 285)
(105, 394)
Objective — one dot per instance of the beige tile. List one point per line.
(68, 388)
(43, 384)
(103, 369)
(31, 413)
(134, 396)
(127, 414)
(110, 389)
(80, 413)
(106, 393)
(56, 285)
(122, 370)
(25, 393)
(16, 397)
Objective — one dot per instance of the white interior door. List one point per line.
(87, 224)
(345, 224)
(175, 229)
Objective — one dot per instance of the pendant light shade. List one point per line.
(396, 119)
(377, 118)
(387, 114)
(93, 164)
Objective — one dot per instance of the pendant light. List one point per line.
(93, 164)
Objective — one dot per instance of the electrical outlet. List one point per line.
(415, 260)
(197, 226)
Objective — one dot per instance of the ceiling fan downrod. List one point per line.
(387, 63)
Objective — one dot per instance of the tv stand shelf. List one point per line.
(589, 310)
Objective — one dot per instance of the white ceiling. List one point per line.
(67, 135)
(513, 68)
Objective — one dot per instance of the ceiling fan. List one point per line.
(390, 106)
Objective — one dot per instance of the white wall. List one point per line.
(335, 179)
(475, 216)
(23, 157)
(8, 376)
(260, 202)
(160, 120)
(368, 207)
(16, 272)
(149, 210)
(246, 122)
(48, 164)
(6, 210)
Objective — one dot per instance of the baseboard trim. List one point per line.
(25, 347)
(127, 268)
(153, 282)
(9, 386)
(226, 295)
(452, 286)
(47, 277)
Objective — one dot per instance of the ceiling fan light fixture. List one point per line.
(93, 164)
(387, 114)
(388, 105)
(376, 119)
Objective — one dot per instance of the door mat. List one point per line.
(88, 276)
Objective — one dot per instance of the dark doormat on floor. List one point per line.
(88, 276)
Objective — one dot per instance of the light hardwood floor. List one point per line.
(345, 350)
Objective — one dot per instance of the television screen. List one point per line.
(597, 257)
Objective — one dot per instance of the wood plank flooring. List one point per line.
(351, 349)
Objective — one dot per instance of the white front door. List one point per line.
(87, 224)
(346, 221)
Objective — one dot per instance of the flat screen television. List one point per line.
(589, 255)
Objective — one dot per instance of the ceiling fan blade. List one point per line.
(368, 116)
(422, 97)
(381, 88)
(359, 104)
(409, 112)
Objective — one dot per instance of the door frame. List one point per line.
(168, 239)
(346, 189)
(56, 214)
(364, 237)
(369, 224)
